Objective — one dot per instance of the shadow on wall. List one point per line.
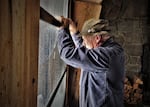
(148, 19)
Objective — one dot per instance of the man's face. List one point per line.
(89, 41)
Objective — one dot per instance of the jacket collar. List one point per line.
(108, 41)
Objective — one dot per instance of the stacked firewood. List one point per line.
(133, 90)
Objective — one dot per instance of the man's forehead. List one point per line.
(87, 37)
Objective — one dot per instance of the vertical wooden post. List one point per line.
(83, 10)
(19, 31)
(5, 53)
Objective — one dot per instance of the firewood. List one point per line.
(132, 92)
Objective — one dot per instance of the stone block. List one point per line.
(135, 8)
(119, 37)
(125, 25)
(133, 49)
(134, 37)
(134, 60)
(133, 68)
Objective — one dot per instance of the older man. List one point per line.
(100, 58)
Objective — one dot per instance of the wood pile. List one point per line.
(133, 90)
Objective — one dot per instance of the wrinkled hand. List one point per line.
(65, 22)
(72, 27)
(68, 23)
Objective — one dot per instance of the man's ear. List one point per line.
(97, 38)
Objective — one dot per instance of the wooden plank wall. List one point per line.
(19, 30)
(82, 11)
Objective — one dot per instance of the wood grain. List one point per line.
(84, 11)
(92, 1)
(19, 30)
(47, 17)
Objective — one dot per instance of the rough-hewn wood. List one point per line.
(92, 1)
(19, 52)
(31, 49)
(73, 87)
(5, 54)
(47, 17)
(84, 11)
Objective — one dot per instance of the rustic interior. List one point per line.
(19, 48)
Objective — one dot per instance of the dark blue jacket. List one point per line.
(102, 70)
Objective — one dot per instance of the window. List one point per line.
(51, 67)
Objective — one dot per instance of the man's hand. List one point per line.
(64, 21)
(72, 27)
(68, 23)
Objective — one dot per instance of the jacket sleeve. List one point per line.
(77, 39)
(80, 56)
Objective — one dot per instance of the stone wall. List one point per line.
(131, 34)
(130, 24)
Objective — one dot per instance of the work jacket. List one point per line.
(102, 70)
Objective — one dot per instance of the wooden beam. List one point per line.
(92, 1)
(5, 54)
(47, 17)
(84, 11)
(19, 31)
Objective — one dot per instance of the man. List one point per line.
(100, 58)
